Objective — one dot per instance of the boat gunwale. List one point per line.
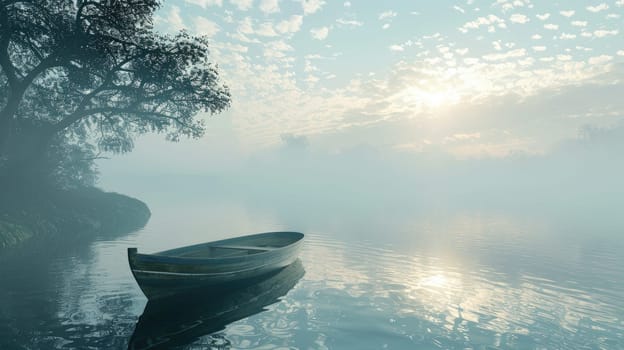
(205, 274)
(159, 257)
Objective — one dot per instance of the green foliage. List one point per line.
(83, 77)
(79, 213)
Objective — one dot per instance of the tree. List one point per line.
(78, 77)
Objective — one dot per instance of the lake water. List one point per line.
(378, 275)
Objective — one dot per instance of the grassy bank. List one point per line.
(26, 214)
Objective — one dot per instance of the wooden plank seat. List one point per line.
(223, 251)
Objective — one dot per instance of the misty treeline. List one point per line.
(78, 78)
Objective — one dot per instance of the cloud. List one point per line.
(551, 26)
(319, 33)
(602, 59)
(463, 137)
(206, 27)
(232, 47)
(506, 55)
(568, 13)
(205, 3)
(276, 50)
(349, 22)
(174, 19)
(246, 26)
(597, 8)
(566, 36)
(242, 5)
(603, 33)
(265, 29)
(434, 77)
(269, 6)
(312, 6)
(518, 18)
(620, 52)
(309, 67)
(386, 15)
(291, 25)
(579, 23)
(489, 21)
(543, 17)
(508, 5)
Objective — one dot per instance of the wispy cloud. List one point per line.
(269, 6)
(568, 13)
(489, 21)
(567, 36)
(518, 18)
(205, 3)
(543, 17)
(602, 59)
(242, 5)
(518, 48)
(319, 33)
(349, 22)
(603, 33)
(203, 26)
(265, 29)
(291, 25)
(387, 15)
(312, 6)
(597, 8)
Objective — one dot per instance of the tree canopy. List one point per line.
(78, 77)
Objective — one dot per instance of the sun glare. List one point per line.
(429, 99)
(436, 281)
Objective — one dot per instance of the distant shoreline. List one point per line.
(67, 214)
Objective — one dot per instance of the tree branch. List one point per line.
(79, 114)
(5, 60)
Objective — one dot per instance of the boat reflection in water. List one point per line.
(177, 322)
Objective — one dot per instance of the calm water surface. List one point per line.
(372, 276)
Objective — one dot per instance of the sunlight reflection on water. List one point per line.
(461, 282)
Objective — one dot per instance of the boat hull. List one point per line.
(169, 273)
(181, 322)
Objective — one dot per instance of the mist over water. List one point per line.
(456, 168)
(403, 250)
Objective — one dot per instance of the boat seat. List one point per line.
(243, 247)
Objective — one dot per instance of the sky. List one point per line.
(460, 79)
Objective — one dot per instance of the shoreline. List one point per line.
(36, 213)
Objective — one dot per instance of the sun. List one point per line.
(429, 99)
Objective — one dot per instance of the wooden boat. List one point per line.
(173, 323)
(213, 266)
